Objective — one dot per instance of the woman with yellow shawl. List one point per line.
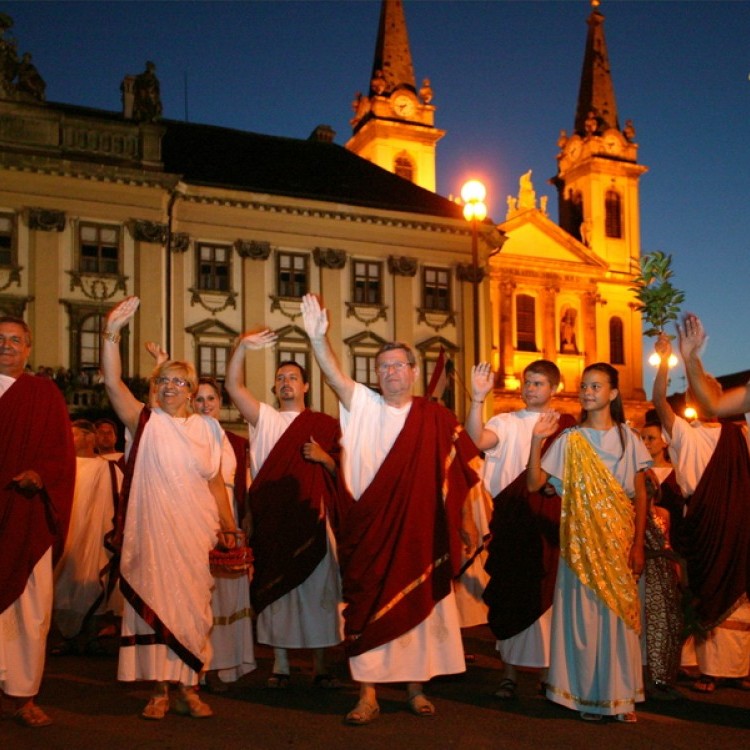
(598, 469)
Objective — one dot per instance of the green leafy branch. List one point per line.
(658, 300)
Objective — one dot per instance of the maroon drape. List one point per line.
(715, 535)
(288, 500)
(239, 446)
(35, 434)
(398, 544)
(523, 552)
(671, 498)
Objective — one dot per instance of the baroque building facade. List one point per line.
(219, 230)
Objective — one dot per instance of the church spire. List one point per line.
(597, 109)
(392, 67)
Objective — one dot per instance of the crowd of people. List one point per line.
(591, 550)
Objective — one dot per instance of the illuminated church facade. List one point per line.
(219, 231)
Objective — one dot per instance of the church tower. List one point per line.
(598, 173)
(394, 125)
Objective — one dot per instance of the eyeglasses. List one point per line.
(179, 382)
(397, 366)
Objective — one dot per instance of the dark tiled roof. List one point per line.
(210, 155)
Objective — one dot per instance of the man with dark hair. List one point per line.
(524, 546)
(406, 466)
(295, 588)
(106, 439)
(37, 474)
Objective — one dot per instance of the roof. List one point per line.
(313, 169)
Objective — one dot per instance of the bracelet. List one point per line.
(474, 401)
(110, 336)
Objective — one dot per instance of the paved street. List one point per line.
(92, 710)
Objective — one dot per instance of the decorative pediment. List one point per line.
(211, 327)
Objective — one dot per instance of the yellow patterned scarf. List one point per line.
(596, 530)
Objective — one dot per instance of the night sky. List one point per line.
(505, 76)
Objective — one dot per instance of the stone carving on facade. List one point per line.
(467, 272)
(328, 257)
(179, 242)
(147, 105)
(402, 265)
(97, 287)
(289, 308)
(426, 93)
(253, 249)
(436, 319)
(204, 299)
(149, 231)
(14, 277)
(45, 219)
(366, 314)
(19, 79)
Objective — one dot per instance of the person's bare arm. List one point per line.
(482, 382)
(637, 556)
(312, 451)
(127, 407)
(226, 518)
(692, 338)
(315, 319)
(659, 395)
(240, 394)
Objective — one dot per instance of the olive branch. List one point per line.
(658, 300)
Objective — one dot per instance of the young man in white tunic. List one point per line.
(306, 615)
(371, 425)
(725, 653)
(505, 440)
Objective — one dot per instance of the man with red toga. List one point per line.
(37, 476)
(405, 462)
(295, 589)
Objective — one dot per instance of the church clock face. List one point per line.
(403, 105)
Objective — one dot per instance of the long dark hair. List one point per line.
(616, 409)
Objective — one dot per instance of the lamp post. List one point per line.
(473, 194)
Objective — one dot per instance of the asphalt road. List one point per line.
(92, 710)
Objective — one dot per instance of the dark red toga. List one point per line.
(398, 544)
(288, 500)
(715, 535)
(239, 446)
(35, 434)
(523, 553)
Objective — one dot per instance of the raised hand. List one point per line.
(314, 317)
(663, 347)
(692, 336)
(260, 339)
(482, 381)
(122, 313)
(546, 425)
(157, 352)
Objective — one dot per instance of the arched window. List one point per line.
(616, 342)
(525, 323)
(613, 214)
(404, 167)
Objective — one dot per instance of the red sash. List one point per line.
(239, 446)
(524, 550)
(715, 535)
(399, 544)
(35, 434)
(288, 500)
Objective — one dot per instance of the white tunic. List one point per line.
(171, 526)
(233, 654)
(726, 650)
(76, 577)
(595, 659)
(502, 464)
(370, 428)
(308, 616)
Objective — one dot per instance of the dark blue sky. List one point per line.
(505, 76)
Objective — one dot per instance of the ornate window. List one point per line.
(616, 341)
(403, 166)
(293, 346)
(89, 338)
(367, 282)
(364, 348)
(85, 326)
(214, 267)
(7, 240)
(99, 249)
(526, 323)
(292, 275)
(436, 289)
(613, 214)
(212, 360)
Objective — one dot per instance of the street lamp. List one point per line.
(473, 194)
